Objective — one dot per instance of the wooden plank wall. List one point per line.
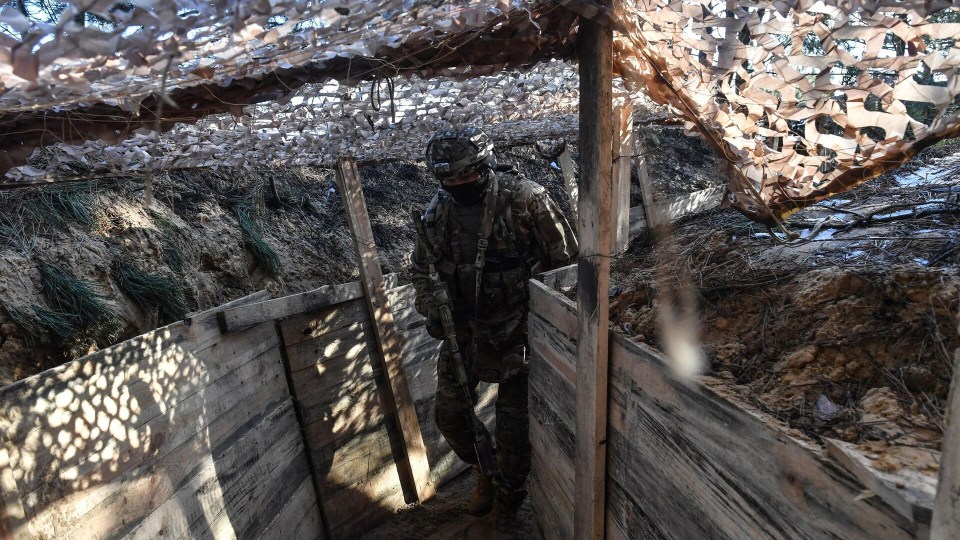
(181, 432)
(352, 440)
(683, 462)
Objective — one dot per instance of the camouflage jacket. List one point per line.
(530, 234)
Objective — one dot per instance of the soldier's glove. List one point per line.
(435, 325)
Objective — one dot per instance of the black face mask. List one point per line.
(468, 194)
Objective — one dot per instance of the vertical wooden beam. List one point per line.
(946, 507)
(595, 46)
(623, 154)
(413, 465)
(650, 213)
(569, 180)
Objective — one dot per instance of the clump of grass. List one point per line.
(171, 247)
(62, 203)
(263, 253)
(44, 325)
(151, 291)
(78, 298)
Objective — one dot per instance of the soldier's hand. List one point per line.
(435, 325)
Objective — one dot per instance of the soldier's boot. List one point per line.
(506, 524)
(481, 502)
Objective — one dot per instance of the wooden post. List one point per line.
(946, 507)
(646, 193)
(623, 154)
(595, 46)
(569, 180)
(414, 465)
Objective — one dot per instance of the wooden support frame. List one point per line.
(622, 156)
(595, 43)
(414, 465)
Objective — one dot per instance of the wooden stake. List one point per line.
(646, 193)
(414, 466)
(569, 180)
(595, 44)
(623, 143)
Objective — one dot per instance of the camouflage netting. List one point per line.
(804, 99)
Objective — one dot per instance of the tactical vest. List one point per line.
(453, 231)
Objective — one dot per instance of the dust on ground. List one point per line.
(443, 517)
(846, 330)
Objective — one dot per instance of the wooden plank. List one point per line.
(350, 345)
(91, 432)
(355, 511)
(237, 318)
(648, 212)
(911, 494)
(299, 518)
(13, 520)
(622, 157)
(239, 470)
(946, 509)
(595, 45)
(697, 466)
(675, 208)
(560, 279)
(318, 323)
(414, 467)
(143, 446)
(554, 307)
(105, 510)
(569, 180)
(31, 404)
(252, 298)
(353, 408)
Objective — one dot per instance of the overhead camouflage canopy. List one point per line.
(803, 98)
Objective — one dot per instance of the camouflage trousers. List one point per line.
(507, 365)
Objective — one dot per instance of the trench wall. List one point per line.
(258, 419)
(682, 460)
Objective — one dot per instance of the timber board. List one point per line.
(299, 519)
(97, 450)
(240, 317)
(102, 511)
(322, 321)
(677, 452)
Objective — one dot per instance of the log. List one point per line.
(238, 318)
(414, 466)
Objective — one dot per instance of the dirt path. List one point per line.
(442, 518)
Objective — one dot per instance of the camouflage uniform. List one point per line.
(529, 234)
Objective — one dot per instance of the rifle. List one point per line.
(441, 299)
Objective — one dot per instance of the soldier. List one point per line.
(516, 229)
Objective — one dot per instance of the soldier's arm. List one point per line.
(552, 231)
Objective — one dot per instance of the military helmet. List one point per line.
(459, 152)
